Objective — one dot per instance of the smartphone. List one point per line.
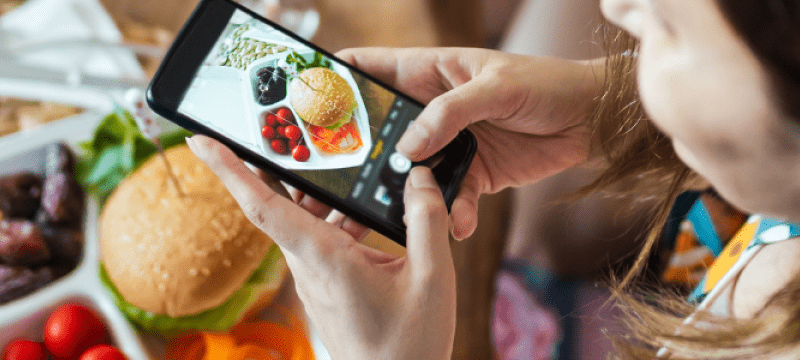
(294, 110)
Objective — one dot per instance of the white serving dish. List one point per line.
(25, 317)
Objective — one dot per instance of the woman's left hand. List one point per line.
(363, 303)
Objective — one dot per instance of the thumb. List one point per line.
(445, 116)
(427, 241)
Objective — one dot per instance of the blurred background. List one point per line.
(530, 285)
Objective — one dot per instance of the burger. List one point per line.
(182, 260)
(326, 102)
(322, 97)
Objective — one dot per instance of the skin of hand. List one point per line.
(528, 114)
(363, 303)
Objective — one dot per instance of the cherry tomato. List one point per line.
(71, 329)
(103, 352)
(280, 146)
(285, 116)
(292, 132)
(301, 153)
(280, 132)
(21, 349)
(270, 119)
(268, 132)
(294, 142)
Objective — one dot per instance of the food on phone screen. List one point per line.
(322, 97)
(283, 136)
(268, 132)
(284, 116)
(326, 102)
(41, 235)
(270, 85)
(240, 51)
(301, 153)
(176, 263)
(292, 132)
(71, 330)
(280, 146)
(270, 119)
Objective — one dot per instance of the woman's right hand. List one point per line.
(528, 114)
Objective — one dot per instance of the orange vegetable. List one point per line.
(345, 139)
(258, 340)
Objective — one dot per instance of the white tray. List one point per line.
(25, 317)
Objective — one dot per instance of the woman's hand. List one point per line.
(527, 113)
(363, 303)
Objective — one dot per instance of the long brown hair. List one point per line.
(635, 149)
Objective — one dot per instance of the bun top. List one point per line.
(172, 254)
(322, 97)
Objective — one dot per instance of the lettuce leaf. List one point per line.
(220, 318)
(117, 148)
(344, 120)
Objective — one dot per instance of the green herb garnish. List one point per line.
(116, 150)
(300, 63)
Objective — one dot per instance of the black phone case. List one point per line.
(465, 142)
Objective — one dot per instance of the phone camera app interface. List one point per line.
(304, 112)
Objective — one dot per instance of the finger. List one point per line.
(445, 116)
(356, 230)
(311, 205)
(464, 211)
(294, 229)
(427, 243)
(381, 63)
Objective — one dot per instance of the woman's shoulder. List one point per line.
(768, 271)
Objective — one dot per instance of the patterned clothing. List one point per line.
(701, 256)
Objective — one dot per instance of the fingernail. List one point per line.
(190, 143)
(422, 178)
(414, 141)
(195, 146)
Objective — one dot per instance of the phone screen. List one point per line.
(305, 112)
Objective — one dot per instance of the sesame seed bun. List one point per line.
(180, 255)
(322, 97)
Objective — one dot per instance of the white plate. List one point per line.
(25, 317)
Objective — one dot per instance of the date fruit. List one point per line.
(21, 243)
(62, 199)
(20, 195)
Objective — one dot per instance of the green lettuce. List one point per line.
(220, 318)
(117, 149)
(343, 120)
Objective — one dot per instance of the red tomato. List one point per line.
(21, 349)
(300, 153)
(270, 119)
(280, 146)
(103, 352)
(71, 329)
(294, 142)
(285, 116)
(280, 132)
(268, 132)
(293, 132)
